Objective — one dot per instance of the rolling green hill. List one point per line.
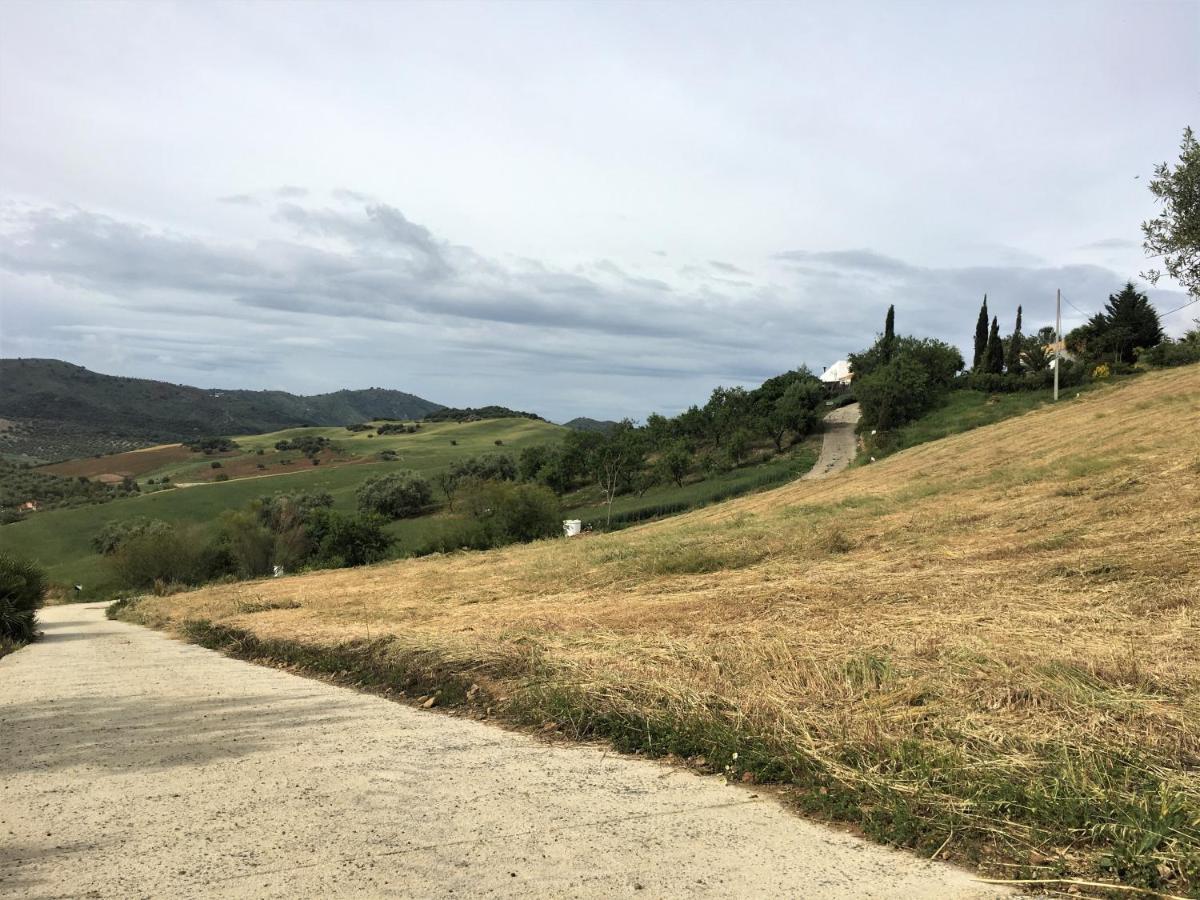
(60, 539)
(56, 410)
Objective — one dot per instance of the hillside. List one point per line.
(61, 539)
(58, 410)
(984, 647)
(583, 423)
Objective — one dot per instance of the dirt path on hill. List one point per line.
(839, 446)
(135, 765)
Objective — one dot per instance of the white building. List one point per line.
(838, 373)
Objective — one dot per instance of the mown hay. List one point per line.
(986, 644)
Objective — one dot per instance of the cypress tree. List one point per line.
(889, 334)
(981, 336)
(994, 355)
(1014, 348)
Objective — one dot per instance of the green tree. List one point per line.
(531, 460)
(895, 393)
(1016, 343)
(1127, 322)
(400, 495)
(613, 459)
(981, 337)
(448, 480)
(727, 409)
(994, 355)
(675, 463)
(1174, 234)
(888, 346)
(739, 445)
(796, 410)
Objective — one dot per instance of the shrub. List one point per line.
(498, 442)
(249, 544)
(895, 393)
(215, 464)
(22, 592)
(222, 476)
(308, 444)
(530, 512)
(210, 445)
(108, 539)
(343, 540)
(397, 496)
(492, 467)
(166, 555)
(1174, 353)
(513, 512)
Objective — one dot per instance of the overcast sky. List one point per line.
(580, 209)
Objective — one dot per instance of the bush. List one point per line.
(215, 464)
(22, 593)
(492, 467)
(1174, 353)
(895, 393)
(163, 556)
(308, 444)
(341, 540)
(397, 496)
(109, 539)
(211, 445)
(513, 513)
(222, 476)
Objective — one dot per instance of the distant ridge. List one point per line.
(56, 409)
(583, 423)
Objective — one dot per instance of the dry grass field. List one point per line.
(985, 648)
(133, 463)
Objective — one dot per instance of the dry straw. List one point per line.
(988, 642)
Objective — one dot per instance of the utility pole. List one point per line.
(1057, 338)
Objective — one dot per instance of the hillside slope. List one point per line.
(983, 647)
(50, 397)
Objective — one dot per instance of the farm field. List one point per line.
(60, 539)
(985, 647)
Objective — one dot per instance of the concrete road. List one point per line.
(839, 445)
(134, 765)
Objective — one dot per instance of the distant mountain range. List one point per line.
(55, 410)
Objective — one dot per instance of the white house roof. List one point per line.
(838, 372)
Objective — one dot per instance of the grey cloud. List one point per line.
(291, 192)
(729, 268)
(239, 199)
(848, 260)
(1114, 243)
(376, 278)
(346, 195)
